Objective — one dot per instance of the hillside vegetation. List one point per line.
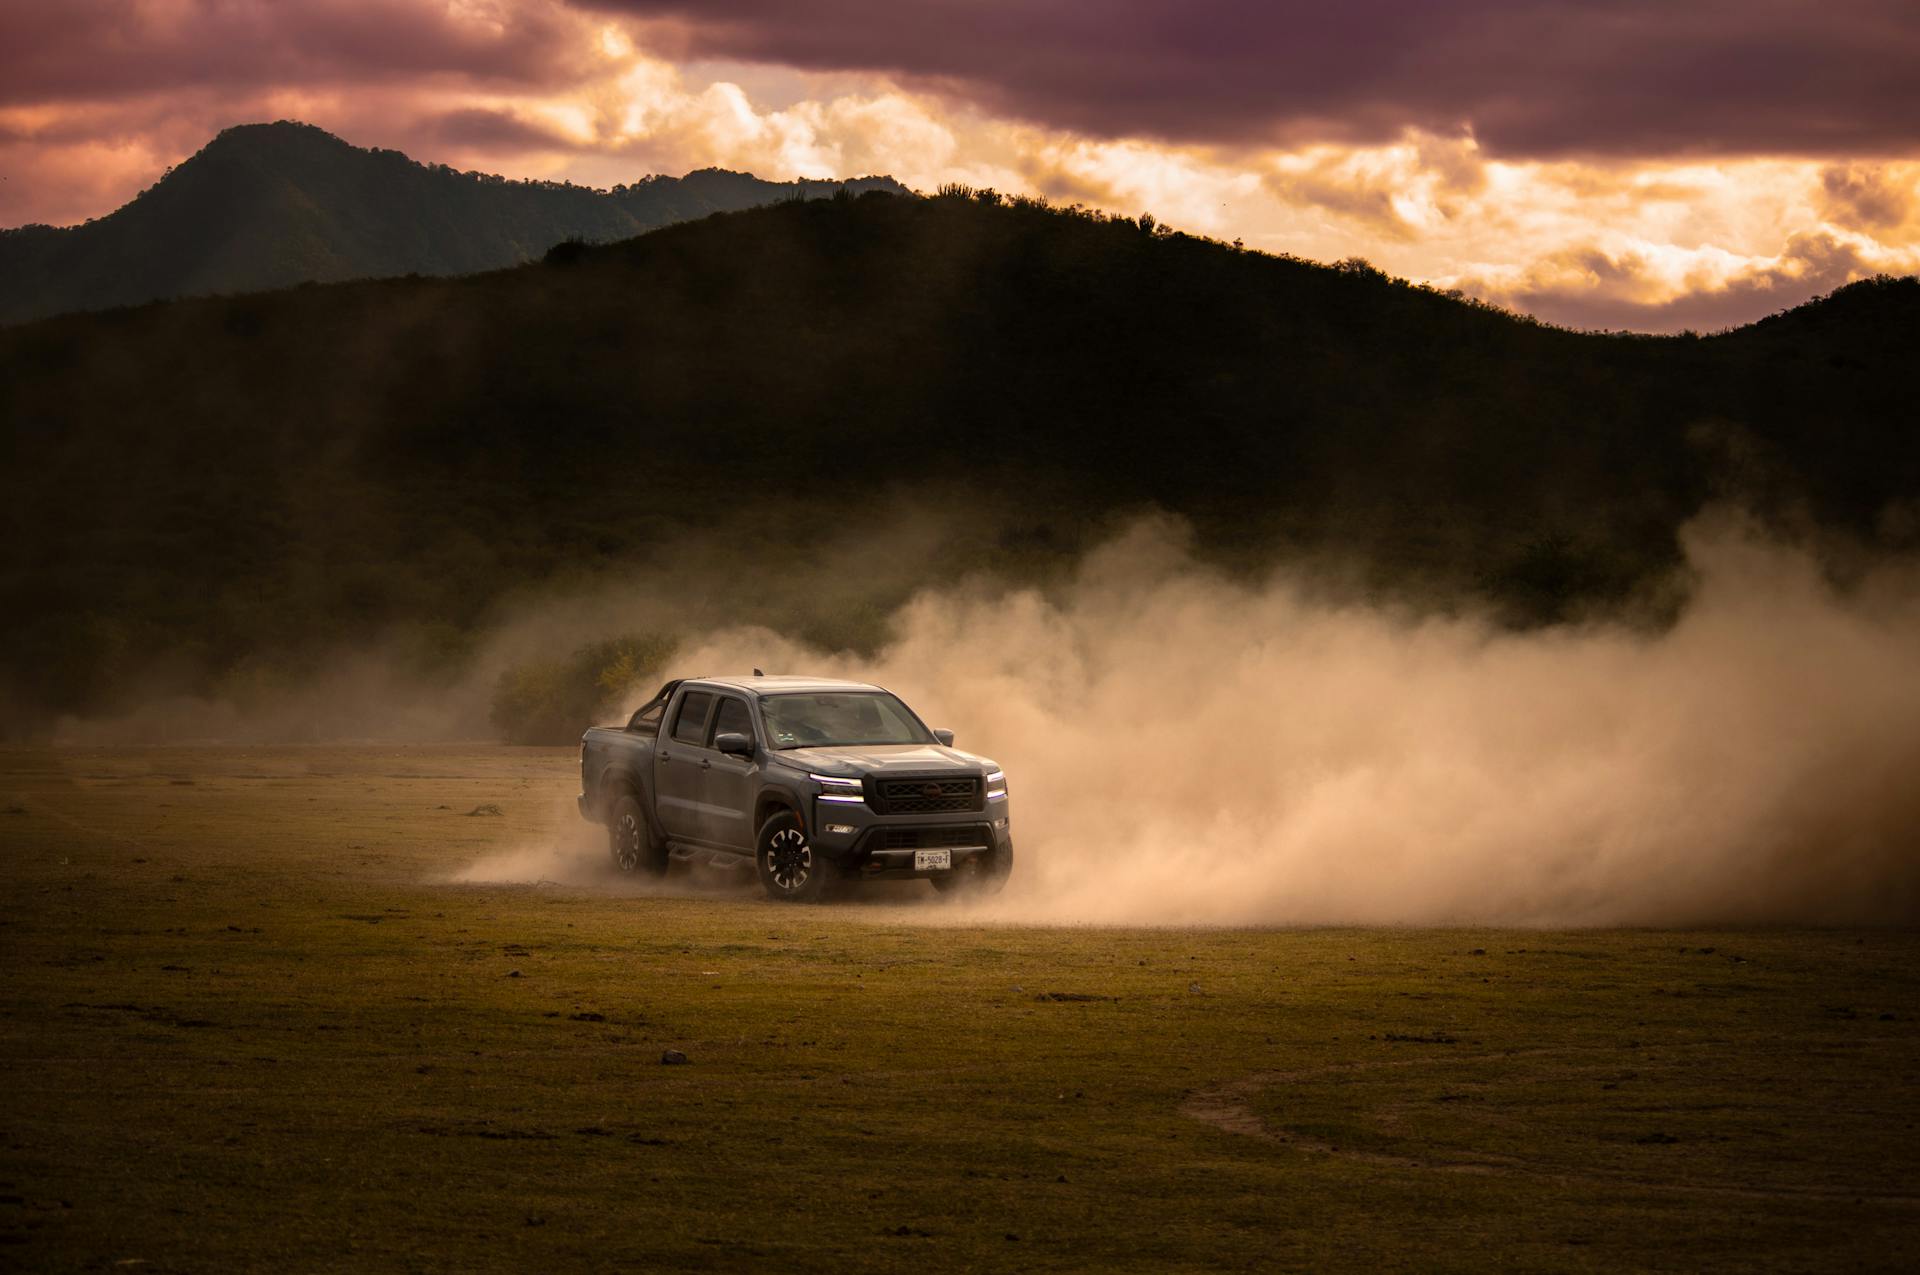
(272, 205)
(206, 487)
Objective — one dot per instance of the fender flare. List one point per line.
(772, 798)
(616, 779)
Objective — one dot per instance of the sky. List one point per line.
(1637, 164)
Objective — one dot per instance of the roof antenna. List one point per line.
(758, 673)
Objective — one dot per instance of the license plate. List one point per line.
(932, 860)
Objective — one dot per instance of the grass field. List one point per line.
(249, 1021)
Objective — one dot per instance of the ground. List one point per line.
(250, 1020)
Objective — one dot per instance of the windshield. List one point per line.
(830, 718)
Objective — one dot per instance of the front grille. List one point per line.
(929, 796)
(962, 834)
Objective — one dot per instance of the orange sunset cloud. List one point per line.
(1599, 165)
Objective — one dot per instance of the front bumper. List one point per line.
(870, 845)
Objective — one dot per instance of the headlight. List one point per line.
(997, 786)
(845, 792)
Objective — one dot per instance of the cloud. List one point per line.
(1529, 77)
(98, 97)
(1394, 190)
(1872, 197)
(1535, 154)
(656, 113)
(494, 130)
(89, 50)
(611, 114)
(1333, 762)
(1638, 289)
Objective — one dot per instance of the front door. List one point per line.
(727, 793)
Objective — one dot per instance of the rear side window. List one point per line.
(732, 717)
(690, 723)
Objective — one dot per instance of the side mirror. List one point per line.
(945, 737)
(734, 744)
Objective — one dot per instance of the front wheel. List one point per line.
(631, 840)
(790, 870)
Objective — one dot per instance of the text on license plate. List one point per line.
(929, 860)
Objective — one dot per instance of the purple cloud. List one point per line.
(1812, 265)
(1528, 77)
(95, 50)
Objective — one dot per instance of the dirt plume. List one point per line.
(1186, 748)
(571, 855)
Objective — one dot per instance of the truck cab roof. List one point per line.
(775, 685)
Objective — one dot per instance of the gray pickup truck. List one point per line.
(816, 781)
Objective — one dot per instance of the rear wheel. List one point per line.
(631, 840)
(790, 869)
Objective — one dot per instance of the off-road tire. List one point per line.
(635, 850)
(791, 870)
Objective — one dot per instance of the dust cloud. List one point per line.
(1184, 748)
(572, 854)
(575, 857)
(376, 692)
(1190, 747)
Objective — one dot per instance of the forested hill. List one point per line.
(222, 483)
(271, 205)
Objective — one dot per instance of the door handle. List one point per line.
(665, 756)
(705, 764)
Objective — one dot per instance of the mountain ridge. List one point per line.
(266, 206)
(385, 462)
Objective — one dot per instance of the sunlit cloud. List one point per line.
(1658, 287)
(1534, 78)
(1492, 188)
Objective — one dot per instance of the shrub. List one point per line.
(552, 701)
(567, 252)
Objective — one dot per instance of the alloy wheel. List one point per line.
(789, 859)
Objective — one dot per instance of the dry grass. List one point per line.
(247, 1023)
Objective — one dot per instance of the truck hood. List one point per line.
(883, 759)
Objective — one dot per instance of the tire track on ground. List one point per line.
(1228, 1106)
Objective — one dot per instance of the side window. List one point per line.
(732, 717)
(690, 723)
